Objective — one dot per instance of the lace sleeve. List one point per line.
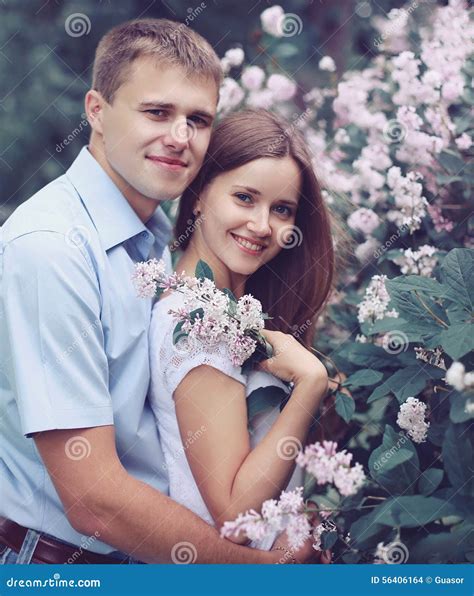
(176, 360)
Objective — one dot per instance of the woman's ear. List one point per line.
(197, 208)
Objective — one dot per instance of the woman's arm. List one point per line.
(233, 478)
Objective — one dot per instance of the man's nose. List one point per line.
(179, 134)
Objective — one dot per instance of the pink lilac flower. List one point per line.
(464, 142)
(252, 78)
(441, 223)
(327, 465)
(364, 220)
(231, 94)
(411, 417)
(147, 276)
(282, 87)
(285, 514)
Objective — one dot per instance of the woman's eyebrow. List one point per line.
(247, 188)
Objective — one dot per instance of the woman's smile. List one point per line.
(248, 246)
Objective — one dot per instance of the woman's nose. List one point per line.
(260, 225)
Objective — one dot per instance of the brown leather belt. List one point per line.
(50, 551)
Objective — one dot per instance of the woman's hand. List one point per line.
(291, 361)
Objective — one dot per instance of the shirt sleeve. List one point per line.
(57, 365)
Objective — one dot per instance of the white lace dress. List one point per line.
(169, 365)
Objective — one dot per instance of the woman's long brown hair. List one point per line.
(295, 285)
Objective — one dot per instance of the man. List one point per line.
(82, 471)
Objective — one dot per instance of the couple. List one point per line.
(89, 377)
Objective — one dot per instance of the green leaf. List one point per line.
(197, 312)
(203, 271)
(363, 378)
(230, 294)
(328, 540)
(457, 340)
(263, 398)
(451, 161)
(457, 271)
(345, 406)
(413, 308)
(444, 547)
(394, 465)
(430, 480)
(457, 457)
(407, 283)
(406, 382)
(413, 511)
(366, 532)
(459, 402)
(178, 333)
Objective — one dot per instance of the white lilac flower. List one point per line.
(417, 262)
(327, 63)
(252, 78)
(407, 193)
(457, 377)
(327, 465)
(411, 417)
(367, 250)
(374, 306)
(235, 56)
(272, 19)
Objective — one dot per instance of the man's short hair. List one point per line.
(170, 42)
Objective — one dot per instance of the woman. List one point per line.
(255, 215)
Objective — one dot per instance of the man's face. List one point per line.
(156, 131)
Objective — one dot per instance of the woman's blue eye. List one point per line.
(286, 210)
(242, 196)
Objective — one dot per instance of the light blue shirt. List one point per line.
(74, 337)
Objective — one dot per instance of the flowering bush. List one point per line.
(392, 145)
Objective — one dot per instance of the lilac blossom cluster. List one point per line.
(216, 321)
(288, 513)
(411, 417)
(330, 466)
(417, 262)
(375, 303)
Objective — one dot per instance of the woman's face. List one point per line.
(247, 213)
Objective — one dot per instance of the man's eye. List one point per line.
(198, 121)
(243, 197)
(157, 113)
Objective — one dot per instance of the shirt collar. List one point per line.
(111, 213)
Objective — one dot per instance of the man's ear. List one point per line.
(94, 107)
